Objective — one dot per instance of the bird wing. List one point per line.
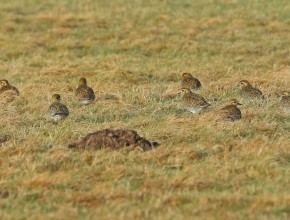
(84, 92)
(7, 88)
(91, 92)
(15, 89)
(231, 112)
(58, 109)
(285, 101)
(257, 91)
(190, 83)
(201, 100)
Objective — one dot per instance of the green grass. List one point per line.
(135, 51)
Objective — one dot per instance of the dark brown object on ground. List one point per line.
(114, 139)
(4, 138)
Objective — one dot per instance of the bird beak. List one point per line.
(239, 103)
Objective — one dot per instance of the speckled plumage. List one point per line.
(84, 94)
(231, 112)
(285, 102)
(57, 110)
(190, 82)
(249, 92)
(193, 102)
(6, 87)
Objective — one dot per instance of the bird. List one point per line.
(188, 81)
(285, 102)
(57, 110)
(6, 87)
(193, 102)
(84, 94)
(231, 112)
(249, 92)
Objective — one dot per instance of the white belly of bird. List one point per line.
(286, 110)
(195, 110)
(57, 117)
(86, 102)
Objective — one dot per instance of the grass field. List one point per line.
(133, 54)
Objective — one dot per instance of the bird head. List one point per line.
(234, 102)
(56, 98)
(187, 76)
(82, 82)
(244, 83)
(285, 93)
(4, 82)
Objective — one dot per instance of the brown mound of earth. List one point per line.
(114, 139)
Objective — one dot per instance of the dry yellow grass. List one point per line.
(133, 54)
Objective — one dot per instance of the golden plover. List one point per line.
(231, 112)
(6, 87)
(84, 94)
(285, 102)
(193, 102)
(190, 82)
(57, 110)
(249, 92)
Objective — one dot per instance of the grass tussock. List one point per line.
(133, 54)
